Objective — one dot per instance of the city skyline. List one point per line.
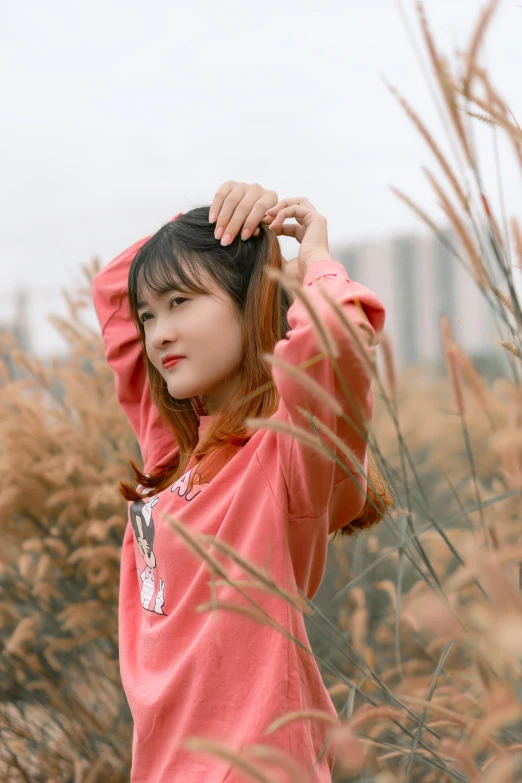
(419, 279)
(415, 275)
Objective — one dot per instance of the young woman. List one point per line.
(198, 290)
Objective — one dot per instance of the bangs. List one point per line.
(158, 268)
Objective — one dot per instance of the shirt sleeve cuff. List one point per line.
(321, 268)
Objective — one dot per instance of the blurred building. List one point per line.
(416, 276)
(419, 279)
(15, 321)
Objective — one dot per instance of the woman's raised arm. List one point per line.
(310, 477)
(124, 354)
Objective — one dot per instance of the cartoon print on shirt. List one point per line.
(142, 522)
(160, 598)
(143, 525)
(181, 486)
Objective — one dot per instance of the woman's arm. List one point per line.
(124, 354)
(309, 476)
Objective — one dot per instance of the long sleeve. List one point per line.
(312, 480)
(124, 354)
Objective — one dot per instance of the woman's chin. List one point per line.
(182, 391)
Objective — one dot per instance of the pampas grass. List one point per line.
(65, 445)
(422, 633)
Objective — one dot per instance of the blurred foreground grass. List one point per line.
(417, 626)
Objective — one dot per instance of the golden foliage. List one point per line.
(425, 628)
(64, 446)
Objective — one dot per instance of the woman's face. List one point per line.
(203, 328)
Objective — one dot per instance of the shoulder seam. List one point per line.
(268, 481)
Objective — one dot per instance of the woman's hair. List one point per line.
(177, 257)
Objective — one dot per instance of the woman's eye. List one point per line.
(145, 316)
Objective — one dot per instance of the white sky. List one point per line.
(116, 115)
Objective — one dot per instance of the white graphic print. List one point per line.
(160, 599)
(147, 590)
(181, 487)
(142, 520)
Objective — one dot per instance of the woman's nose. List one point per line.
(163, 334)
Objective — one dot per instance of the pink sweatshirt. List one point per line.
(220, 674)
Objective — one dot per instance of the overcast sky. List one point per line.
(116, 115)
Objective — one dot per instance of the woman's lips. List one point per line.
(172, 362)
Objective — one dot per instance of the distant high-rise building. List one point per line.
(419, 279)
(17, 325)
(17, 322)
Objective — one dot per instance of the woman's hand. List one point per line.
(310, 231)
(237, 205)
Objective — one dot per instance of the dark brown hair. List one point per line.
(175, 258)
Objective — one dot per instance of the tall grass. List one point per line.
(423, 637)
(431, 607)
(64, 446)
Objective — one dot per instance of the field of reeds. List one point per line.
(418, 630)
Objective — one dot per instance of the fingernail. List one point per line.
(245, 234)
(212, 218)
(218, 233)
(226, 239)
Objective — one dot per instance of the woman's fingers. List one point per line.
(310, 230)
(296, 211)
(254, 217)
(237, 205)
(289, 230)
(300, 213)
(299, 208)
(239, 194)
(219, 198)
(288, 202)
